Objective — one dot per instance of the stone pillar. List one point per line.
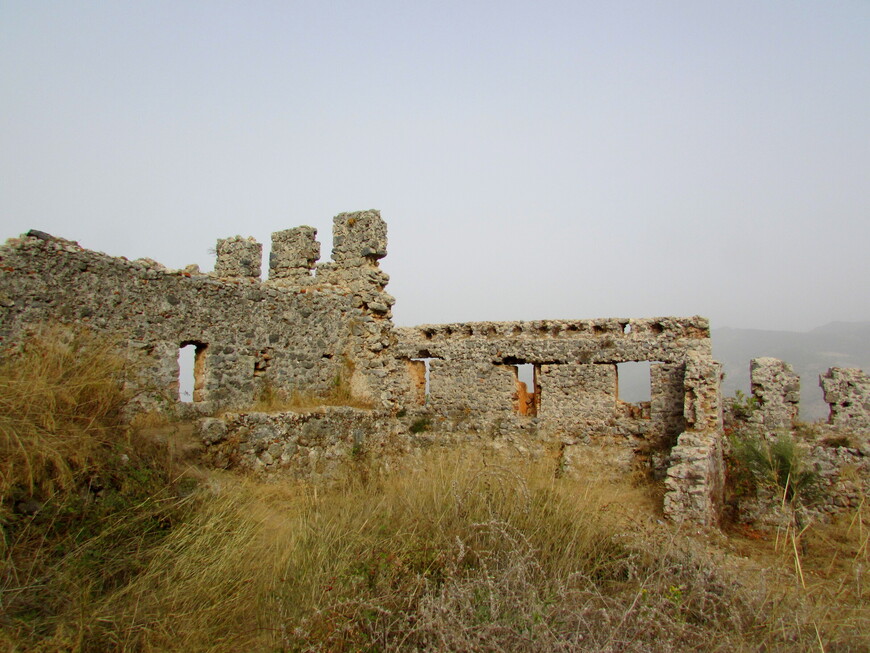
(696, 477)
(238, 257)
(359, 241)
(294, 254)
(847, 392)
(702, 407)
(777, 389)
(667, 396)
(358, 238)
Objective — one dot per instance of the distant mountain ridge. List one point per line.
(837, 344)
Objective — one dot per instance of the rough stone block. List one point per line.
(358, 238)
(847, 392)
(777, 388)
(703, 402)
(294, 253)
(238, 257)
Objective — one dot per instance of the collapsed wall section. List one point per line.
(696, 477)
(574, 394)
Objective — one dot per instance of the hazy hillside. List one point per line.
(838, 344)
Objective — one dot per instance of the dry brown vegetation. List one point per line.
(60, 400)
(456, 552)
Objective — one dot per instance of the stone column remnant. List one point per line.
(358, 238)
(294, 253)
(238, 257)
(847, 392)
(695, 481)
(777, 389)
(703, 402)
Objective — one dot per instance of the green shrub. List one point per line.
(743, 406)
(777, 464)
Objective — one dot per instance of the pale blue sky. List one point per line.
(532, 159)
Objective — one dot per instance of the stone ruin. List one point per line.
(838, 452)
(312, 324)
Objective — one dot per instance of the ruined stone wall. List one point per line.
(837, 454)
(310, 445)
(247, 333)
(577, 382)
(579, 396)
(575, 397)
(311, 323)
(776, 389)
(667, 396)
(847, 392)
(696, 477)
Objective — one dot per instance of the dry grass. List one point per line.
(61, 399)
(455, 555)
(82, 504)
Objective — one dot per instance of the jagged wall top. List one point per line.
(294, 253)
(359, 240)
(238, 257)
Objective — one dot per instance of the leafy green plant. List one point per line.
(743, 406)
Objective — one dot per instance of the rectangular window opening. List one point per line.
(420, 370)
(633, 386)
(528, 392)
(191, 372)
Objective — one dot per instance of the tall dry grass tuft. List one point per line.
(83, 503)
(61, 396)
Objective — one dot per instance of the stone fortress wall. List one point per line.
(301, 329)
(312, 323)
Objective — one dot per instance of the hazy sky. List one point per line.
(532, 159)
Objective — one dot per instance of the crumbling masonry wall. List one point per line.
(696, 478)
(776, 396)
(576, 393)
(472, 370)
(310, 324)
(300, 330)
(776, 389)
(847, 392)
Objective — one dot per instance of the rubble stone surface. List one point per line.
(776, 389)
(847, 392)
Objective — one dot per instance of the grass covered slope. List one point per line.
(458, 551)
